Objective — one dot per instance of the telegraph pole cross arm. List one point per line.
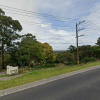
(77, 30)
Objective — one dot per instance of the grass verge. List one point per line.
(43, 74)
(2, 76)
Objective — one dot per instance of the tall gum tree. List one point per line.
(8, 33)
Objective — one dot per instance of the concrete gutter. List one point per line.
(40, 82)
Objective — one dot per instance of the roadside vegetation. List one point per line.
(36, 75)
(26, 52)
(21, 50)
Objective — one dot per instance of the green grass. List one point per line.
(43, 74)
(2, 76)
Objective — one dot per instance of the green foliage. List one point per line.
(98, 41)
(72, 49)
(96, 52)
(8, 33)
(65, 57)
(87, 59)
(27, 39)
(2, 12)
(30, 52)
(36, 53)
(22, 57)
(43, 74)
(85, 51)
(7, 60)
(48, 53)
(49, 65)
(72, 63)
(26, 51)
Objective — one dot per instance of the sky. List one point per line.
(54, 21)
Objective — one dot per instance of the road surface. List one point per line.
(83, 86)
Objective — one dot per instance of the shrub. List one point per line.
(49, 65)
(87, 59)
(72, 63)
(65, 57)
(46, 66)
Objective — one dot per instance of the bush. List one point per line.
(49, 65)
(87, 59)
(71, 63)
(46, 66)
(65, 57)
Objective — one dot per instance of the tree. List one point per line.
(85, 51)
(48, 53)
(36, 53)
(26, 39)
(8, 33)
(22, 57)
(98, 41)
(65, 57)
(31, 47)
(96, 52)
(31, 52)
(29, 42)
(72, 48)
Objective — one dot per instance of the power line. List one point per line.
(93, 24)
(90, 24)
(36, 16)
(56, 20)
(39, 14)
(91, 29)
(31, 12)
(44, 24)
(46, 15)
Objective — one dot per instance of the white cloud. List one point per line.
(44, 31)
(94, 16)
(92, 25)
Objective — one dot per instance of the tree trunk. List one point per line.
(30, 63)
(2, 55)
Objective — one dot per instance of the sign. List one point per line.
(12, 70)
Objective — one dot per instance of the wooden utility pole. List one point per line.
(77, 44)
(77, 30)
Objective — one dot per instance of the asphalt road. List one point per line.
(83, 86)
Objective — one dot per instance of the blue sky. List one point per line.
(58, 29)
